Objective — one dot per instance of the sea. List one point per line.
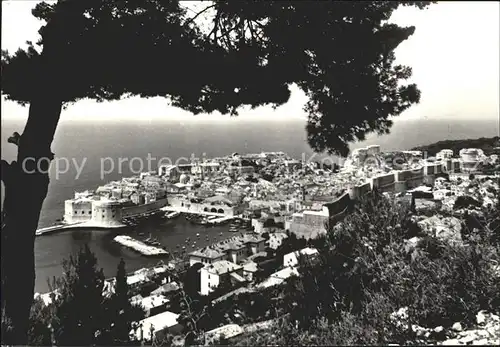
(91, 153)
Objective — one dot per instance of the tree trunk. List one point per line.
(26, 183)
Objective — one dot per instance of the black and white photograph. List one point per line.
(250, 173)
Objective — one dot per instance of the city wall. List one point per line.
(397, 181)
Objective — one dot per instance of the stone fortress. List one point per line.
(110, 204)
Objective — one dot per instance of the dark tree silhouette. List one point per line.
(39, 333)
(81, 315)
(123, 314)
(191, 280)
(341, 54)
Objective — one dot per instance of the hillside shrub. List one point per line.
(366, 273)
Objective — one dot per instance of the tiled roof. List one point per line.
(221, 267)
(207, 252)
(234, 243)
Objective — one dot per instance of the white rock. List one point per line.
(468, 338)
(438, 329)
(493, 331)
(452, 342)
(457, 326)
(483, 333)
(481, 342)
(480, 318)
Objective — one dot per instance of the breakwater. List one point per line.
(139, 246)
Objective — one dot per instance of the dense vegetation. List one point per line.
(490, 145)
(369, 270)
(79, 314)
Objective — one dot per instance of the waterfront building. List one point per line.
(214, 204)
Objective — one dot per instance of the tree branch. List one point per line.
(216, 26)
(199, 13)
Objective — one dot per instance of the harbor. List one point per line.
(190, 243)
(174, 235)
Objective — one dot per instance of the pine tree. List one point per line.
(39, 333)
(123, 313)
(80, 309)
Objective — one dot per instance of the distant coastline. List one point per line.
(489, 145)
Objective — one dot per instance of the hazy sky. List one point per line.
(454, 54)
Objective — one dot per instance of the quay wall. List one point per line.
(140, 209)
(182, 203)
